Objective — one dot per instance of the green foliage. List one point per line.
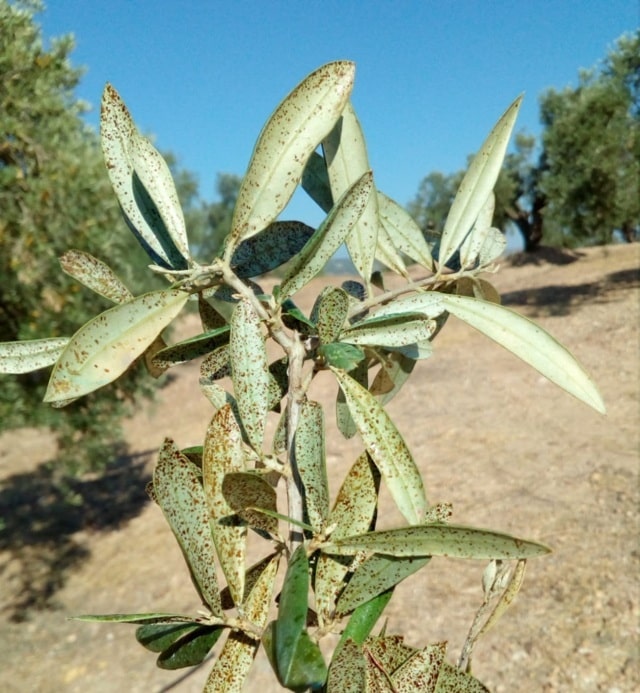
(582, 184)
(340, 571)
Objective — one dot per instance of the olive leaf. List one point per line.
(476, 185)
(387, 449)
(346, 159)
(456, 541)
(223, 453)
(249, 371)
(103, 349)
(95, 275)
(30, 355)
(528, 341)
(286, 142)
(178, 491)
(130, 160)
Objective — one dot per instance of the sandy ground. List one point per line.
(507, 448)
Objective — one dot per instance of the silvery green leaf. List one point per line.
(344, 420)
(329, 313)
(404, 232)
(155, 176)
(245, 491)
(30, 355)
(346, 159)
(190, 649)
(387, 449)
(354, 511)
(95, 274)
(329, 236)
(249, 371)
(529, 342)
(387, 253)
(216, 364)
(388, 331)
(156, 637)
(270, 248)
(178, 491)
(374, 576)
(311, 462)
(452, 679)
(234, 661)
(454, 541)
(470, 248)
(395, 369)
(118, 133)
(418, 350)
(107, 345)
(192, 348)
(347, 670)
(209, 316)
(286, 142)
(476, 185)
(223, 453)
(315, 182)
(494, 245)
(160, 617)
(428, 304)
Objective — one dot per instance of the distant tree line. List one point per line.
(580, 183)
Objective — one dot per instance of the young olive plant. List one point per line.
(339, 571)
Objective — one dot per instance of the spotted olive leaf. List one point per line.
(387, 252)
(232, 665)
(346, 159)
(329, 236)
(347, 670)
(95, 275)
(284, 146)
(209, 316)
(329, 313)
(178, 491)
(118, 134)
(244, 491)
(428, 304)
(344, 420)
(476, 185)
(420, 671)
(249, 371)
(309, 443)
(107, 345)
(315, 182)
(528, 341)
(452, 680)
(376, 575)
(155, 176)
(299, 662)
(387, 449)
(388, 331)
(30, 355)
(354, 511)
(192, 348)
(455, 541)
(190, 649)
(406, 234)
(270, 248)
(223, 453)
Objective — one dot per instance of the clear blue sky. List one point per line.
(432, 77)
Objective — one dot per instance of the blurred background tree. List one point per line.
(579, 184)
(55, 195)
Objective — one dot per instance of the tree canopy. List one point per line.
(54, 194)
(577, 185)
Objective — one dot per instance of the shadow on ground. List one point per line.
(560, 299)
(41, 516)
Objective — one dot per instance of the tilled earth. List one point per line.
(506, 447)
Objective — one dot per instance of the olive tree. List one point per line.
(339, 570)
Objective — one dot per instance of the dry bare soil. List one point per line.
(507, 448)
